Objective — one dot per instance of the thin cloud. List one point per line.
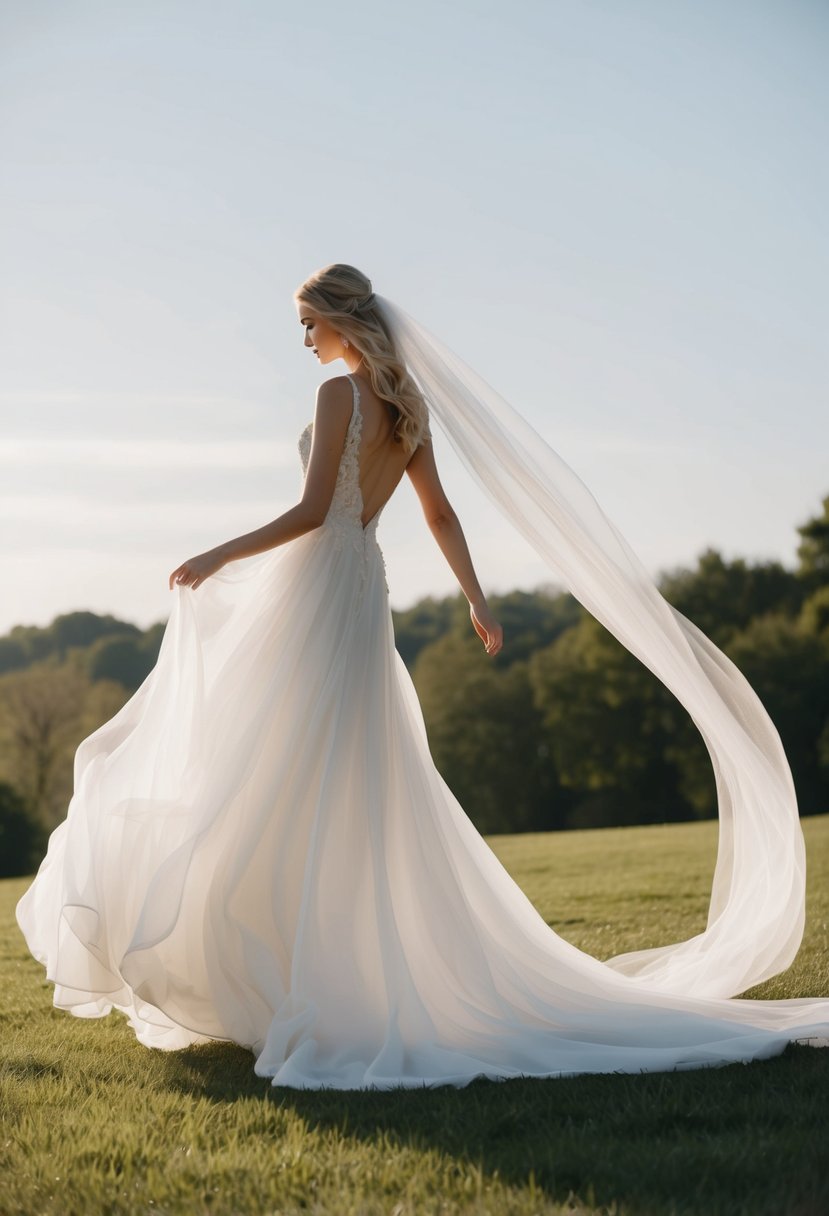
(58, 526)
(215, 453)
(151, 416)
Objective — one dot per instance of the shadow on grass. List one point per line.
(744, 1138)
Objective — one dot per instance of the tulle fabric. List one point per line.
(260, 849)
(756, 914)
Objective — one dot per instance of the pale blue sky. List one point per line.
(615, 211)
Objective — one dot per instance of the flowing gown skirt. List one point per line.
(260, 849)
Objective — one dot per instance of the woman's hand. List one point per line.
(486, 627)
(193, 572)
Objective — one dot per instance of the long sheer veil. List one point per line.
(757, 908)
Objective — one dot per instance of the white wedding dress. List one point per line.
(260, 849)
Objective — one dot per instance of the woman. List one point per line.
(260, 849)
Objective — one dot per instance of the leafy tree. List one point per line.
(531, 620)
(813, 550)
(45, 712)
(13, 655)
(36, 643)
(416, 627)
(21, 840)
(120, 657)
(822, 747)
(40, 708)
(151, 641)
(721, 596)
(70, 630)
(788, 667)
(609, 722)
(485, 736)
(814, 616)
(83, 628)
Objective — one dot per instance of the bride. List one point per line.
(259, 848)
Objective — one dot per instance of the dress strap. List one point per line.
(355, 389)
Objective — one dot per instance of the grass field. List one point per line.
(93, 1122)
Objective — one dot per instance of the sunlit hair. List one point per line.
(344, 297)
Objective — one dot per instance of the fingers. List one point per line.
(491, 638)
(494, 641)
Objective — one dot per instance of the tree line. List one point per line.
(564, 728)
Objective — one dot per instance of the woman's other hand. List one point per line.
(486, 627)
(193, 572)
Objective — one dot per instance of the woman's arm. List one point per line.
(446, 528)
(331, 418)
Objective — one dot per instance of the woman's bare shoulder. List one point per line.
(335, 401)
(336, 388)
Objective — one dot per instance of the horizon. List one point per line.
(549, 589)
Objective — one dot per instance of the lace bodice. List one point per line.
(343, 519)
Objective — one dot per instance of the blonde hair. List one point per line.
(344, 297)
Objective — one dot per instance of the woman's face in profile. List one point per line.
(321, 337)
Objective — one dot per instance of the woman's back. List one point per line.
(382, 461)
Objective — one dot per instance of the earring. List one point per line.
(345, 341)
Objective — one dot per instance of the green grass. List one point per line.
(95, 1123)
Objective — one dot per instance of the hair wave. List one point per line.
(343, 295)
